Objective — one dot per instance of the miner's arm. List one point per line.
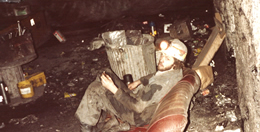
(143, 80)
(135, 104)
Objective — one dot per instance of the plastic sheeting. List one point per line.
(120, 38)
(64, 12)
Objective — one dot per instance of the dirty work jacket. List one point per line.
(144, 103)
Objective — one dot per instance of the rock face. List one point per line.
(242, 25)
(68, 12)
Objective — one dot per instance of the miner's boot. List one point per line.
(110, 123)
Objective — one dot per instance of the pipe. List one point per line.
(172, 112)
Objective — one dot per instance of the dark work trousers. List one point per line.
(98, 98)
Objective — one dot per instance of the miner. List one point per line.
(109, 94)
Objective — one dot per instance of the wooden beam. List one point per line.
(212, 45)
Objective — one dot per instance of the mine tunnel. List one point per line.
(57, 44)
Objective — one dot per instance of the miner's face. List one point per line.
(165, 63)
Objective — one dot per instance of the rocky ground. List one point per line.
(219, 110)
(70, 67)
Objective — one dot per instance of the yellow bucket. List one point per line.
(26, 89)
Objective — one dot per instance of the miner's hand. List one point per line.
(108, 83)
(134, 84)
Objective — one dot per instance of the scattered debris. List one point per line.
(231, 116)
(71, 84)
(68, 95)
(95, 59)
(205, 92)
(59, 36)
(29, 119)
(219, 128)
(2, 125)
(96, 43)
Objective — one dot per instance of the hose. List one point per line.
(172, 112)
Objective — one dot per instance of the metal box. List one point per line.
(137, 60)
(181, 29)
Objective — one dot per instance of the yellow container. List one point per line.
(26, 89)
(36, 79)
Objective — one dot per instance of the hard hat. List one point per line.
(174, 48)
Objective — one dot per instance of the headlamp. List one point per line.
(164, 45)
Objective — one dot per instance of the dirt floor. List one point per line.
(70, 67)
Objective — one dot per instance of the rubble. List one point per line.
(29, 119)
